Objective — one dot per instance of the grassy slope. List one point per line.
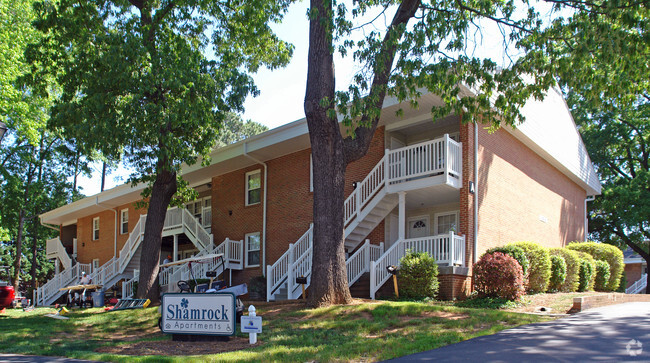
(367, 331)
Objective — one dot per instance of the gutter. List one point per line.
(40, 218)
(114, 234)
(475, 192)
(589, 198)
(246, 154)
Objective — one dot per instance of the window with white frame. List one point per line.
(446, 222)
(253, 187)
(95, 264)
(95, 228)
(124, 221)
(252, 249)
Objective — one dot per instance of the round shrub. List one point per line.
(572, 268)
(602, 275)
(498, 275)
(587, 272)
(539, 271)
(558, 273)
(418, 275)
(604, 252)
(515, 252)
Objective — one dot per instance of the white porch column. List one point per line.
(56, 266)
(402, 216)
(175, 256)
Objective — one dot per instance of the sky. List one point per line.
(282, 91)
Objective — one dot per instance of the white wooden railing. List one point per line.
(447, 249)
(129, 285)
(54, 249)
(182, 218)
(300, 268)
(359, 263)
(638, 286)
(278, 273)
(62, 279)
(442, 156)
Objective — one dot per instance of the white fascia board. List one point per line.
(632, 261)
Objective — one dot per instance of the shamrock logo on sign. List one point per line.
(184, 303)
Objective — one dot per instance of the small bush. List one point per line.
(539, 272)
(477, 302)
(498, 275)
(587, 272)
(558, 273)
(572, 268)
(602, 275)
(515, 252)
(604, 252)
(623, 284)
(418, 276)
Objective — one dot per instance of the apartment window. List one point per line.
(95, 264)
(253, 249)
(446, 222)
(95, 228)
(253, 187)
(124, 221)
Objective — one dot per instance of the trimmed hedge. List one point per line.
(498, 275)
(539, 272)
(604, 252)
(587, 274)
(515, 252)
(418, 275)
(558, 273)
(602, 275)
(572, 268)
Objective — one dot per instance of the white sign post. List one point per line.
(251, 324)
(199, 314)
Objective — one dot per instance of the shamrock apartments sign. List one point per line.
(202, 314)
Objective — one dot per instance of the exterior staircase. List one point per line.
(127, 263)
(55, 250)
(639, 286)
(429, 163)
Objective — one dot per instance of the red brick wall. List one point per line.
(516, 187)
(633, 273)
(454, 286)
(466, 198)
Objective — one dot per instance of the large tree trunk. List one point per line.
(34, 254)
(162, 192)
(15, 279)
(329, 283)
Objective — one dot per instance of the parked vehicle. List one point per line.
(7, 295)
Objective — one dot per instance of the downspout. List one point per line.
(49, 226)
(263, 265)
(588, 199)
(114, 234)
(475, 192)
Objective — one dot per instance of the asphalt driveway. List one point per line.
(610, 334)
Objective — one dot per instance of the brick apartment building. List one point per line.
(445, 187)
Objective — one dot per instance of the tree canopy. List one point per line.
(150, 83)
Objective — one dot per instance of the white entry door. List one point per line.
(418, 226)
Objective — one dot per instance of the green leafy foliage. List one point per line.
(587, 272)
(602, 276)
(540, 266)
(418, 276)
(498, 275)
(558, 273)
(478, 302)
(515, 252)
(572, 268)
(608, 253)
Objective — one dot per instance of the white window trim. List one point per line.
(93, 235)
(122, 221)
(258, 171)
(246, 248)
(409, 219)
(442, 214)
(311, 173)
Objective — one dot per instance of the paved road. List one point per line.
(601, 334)
(17, 358)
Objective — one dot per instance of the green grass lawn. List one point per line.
(366, 331)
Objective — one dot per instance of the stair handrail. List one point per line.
(192, 226)
(132, 243)
(301, 267)
(639, 285)
(55, 249)
(359, 263)
(127, 286)
(442, 247)
(364, 191)
(277, 273)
